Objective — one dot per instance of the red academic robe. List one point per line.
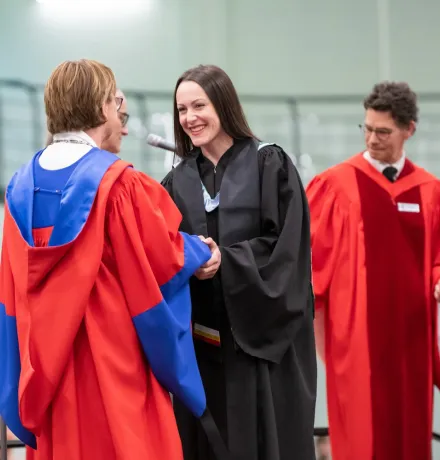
(95, 317)
(376, 259)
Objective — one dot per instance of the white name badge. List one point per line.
(408, 207)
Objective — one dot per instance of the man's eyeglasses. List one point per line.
(381, 133)
(119, 101)
(124, 118)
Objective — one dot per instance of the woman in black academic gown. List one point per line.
(253, 317)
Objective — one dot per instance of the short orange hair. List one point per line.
(75, 93)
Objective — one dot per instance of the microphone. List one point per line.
(157, 141)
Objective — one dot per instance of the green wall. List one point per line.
(296, 47)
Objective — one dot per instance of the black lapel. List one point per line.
(188, 196)
(239, 210)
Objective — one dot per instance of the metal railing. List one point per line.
(318, 131)
(22, 120)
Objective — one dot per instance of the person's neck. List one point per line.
(97, 134)
(394, 158)
(215, 150)
(391, 159)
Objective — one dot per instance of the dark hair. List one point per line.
(221, 92)
(396, 98)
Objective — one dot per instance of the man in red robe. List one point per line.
(94, 291)
(375, 222)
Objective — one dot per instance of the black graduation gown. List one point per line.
(260, 382)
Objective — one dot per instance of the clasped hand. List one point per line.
(209, 269)
(437, 291)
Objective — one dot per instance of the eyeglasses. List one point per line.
(124, 118)
(119, 101)
(381, 133)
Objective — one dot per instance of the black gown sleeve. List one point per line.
(267, 280)
(167, 183)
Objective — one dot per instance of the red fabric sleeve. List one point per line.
(329, 236)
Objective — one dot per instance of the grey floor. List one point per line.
(16, 454)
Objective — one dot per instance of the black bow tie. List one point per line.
(390, 173)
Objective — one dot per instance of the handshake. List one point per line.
(209, 269)
(436, 290)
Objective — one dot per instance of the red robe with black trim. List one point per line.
(95, 318)
(376, 259)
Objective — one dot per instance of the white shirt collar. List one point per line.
(380, 166)
(75, 135)
(61, 155)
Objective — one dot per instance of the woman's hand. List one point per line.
(209, 269)
(437, 291)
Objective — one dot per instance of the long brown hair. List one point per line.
(221, 92)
